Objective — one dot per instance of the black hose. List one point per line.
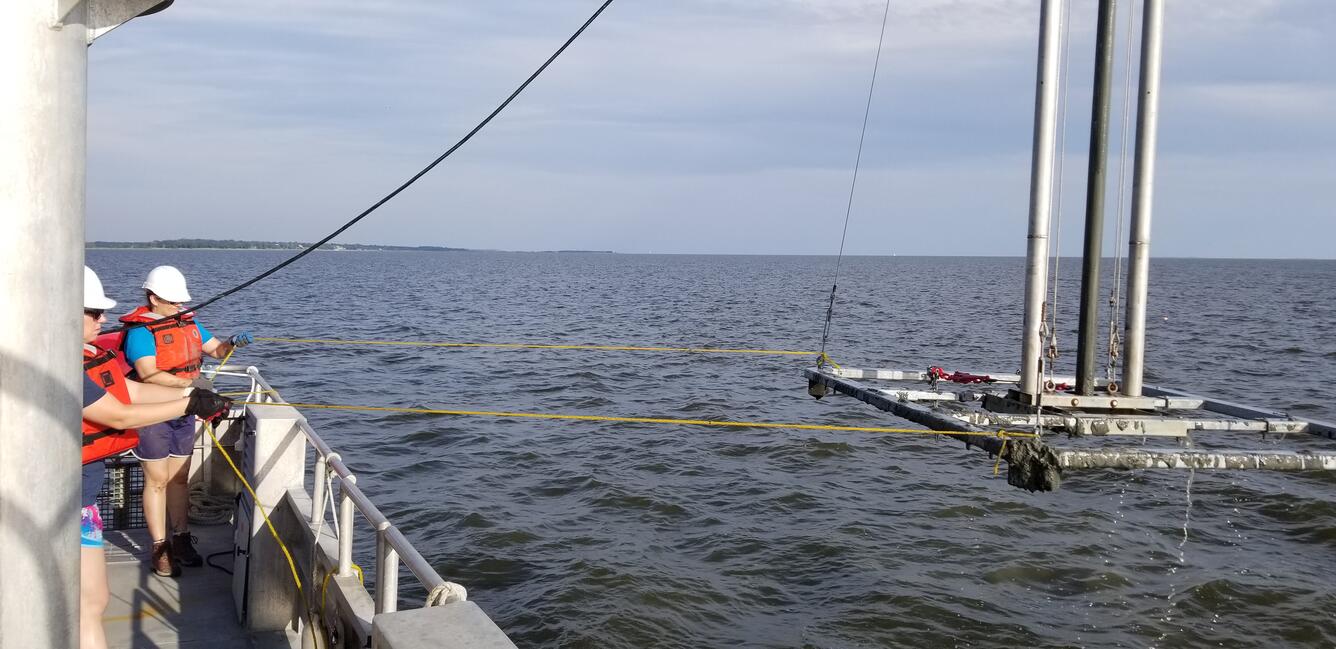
(208, 559)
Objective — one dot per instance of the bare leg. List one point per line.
(157, 474)
(93, 598)
(178, 494)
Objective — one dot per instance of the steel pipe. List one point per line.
(1143, 185)
(413, 560)
(1093, 251)
(43, 118)
(1041, 195)
(318, 491)
(346, 528)
(387, 572)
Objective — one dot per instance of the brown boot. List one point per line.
(161, 561)
(183, 550)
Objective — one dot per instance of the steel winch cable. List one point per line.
(821, 358)
(406, 184)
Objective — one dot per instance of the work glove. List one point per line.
(208, 405)
(201, 383)
(241, 340)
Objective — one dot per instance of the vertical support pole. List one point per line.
(318, 489)
(1041, 196)
(43, 120)
(1143, 185)
(387, 572)
(346, 528)
(1094, 215)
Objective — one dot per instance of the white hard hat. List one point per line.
(94, 298)
(167, 283)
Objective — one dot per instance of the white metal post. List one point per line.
(387, 572)
(1041, 185)
(345, 567)
(43, 117)
(1143, 185)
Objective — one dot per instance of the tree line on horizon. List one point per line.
(234, 244)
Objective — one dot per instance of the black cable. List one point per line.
(390, 195)
(208, 559)
(853, 185)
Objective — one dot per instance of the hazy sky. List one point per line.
(692, 126)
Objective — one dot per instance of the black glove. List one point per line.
(208, 405)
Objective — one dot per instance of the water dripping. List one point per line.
(1182, 554)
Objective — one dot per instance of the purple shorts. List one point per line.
(175, 438)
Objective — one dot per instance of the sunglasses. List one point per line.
(94, 313)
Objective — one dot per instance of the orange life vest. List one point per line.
(177, 341)
(103, 441)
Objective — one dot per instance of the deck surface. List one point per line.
(193, 610)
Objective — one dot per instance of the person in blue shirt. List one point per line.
(112, 409)
(169, 351)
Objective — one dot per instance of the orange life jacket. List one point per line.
(103, 441)
(177, 341)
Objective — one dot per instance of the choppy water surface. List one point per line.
(616, 535)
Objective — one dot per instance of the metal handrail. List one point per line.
(392, 547)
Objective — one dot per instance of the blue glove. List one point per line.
(241, 340)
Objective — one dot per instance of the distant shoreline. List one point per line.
(291, 246)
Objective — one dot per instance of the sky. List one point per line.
(697, 126)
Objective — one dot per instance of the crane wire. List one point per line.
(853, 185)
(405, 185)
(1115, 295)
(1056, 237)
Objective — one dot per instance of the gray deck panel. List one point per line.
(193, 610)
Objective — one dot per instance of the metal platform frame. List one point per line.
(1094, 414)
(1177, 415)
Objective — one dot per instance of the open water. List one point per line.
(619, 535)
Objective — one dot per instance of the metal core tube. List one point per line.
(1143, 185)
(1094, 215)
(1041, 195)
(43, 120)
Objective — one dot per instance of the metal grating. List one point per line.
(121, 501)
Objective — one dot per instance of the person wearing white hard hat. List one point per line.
(112, 408)
(169, 351)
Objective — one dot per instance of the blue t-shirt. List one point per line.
(139, 342)
(94, 473)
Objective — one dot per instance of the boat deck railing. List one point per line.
(392, 547)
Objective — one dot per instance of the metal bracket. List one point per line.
(102, 16)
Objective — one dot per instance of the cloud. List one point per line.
(721, 114)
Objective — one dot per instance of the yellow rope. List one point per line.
(208, 427)
(325, 584)
(226, 358)
(599, 348)
(642, 420)
(823, 360)
(1002, 449)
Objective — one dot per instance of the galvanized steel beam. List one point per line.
(1094, 213)
(1143, 186)
(1041, 195)
(1139, 458)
